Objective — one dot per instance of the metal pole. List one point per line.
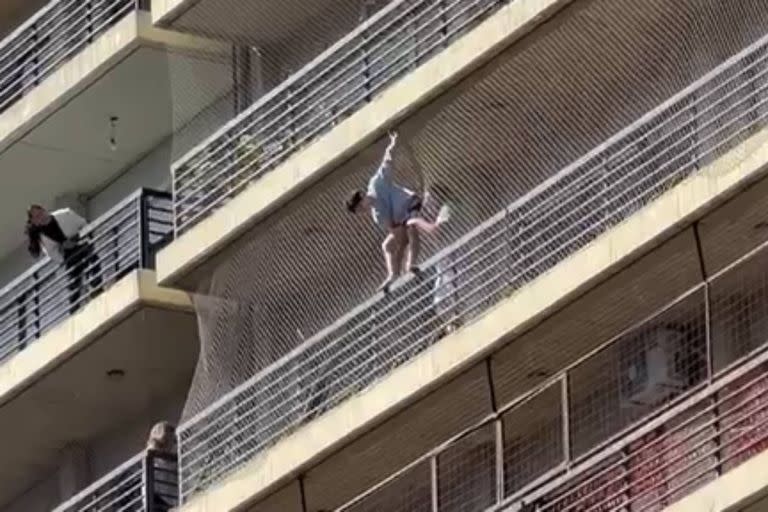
(149, 482)
(500, 485)
(565, 413)
(144, 244)
(434, 484)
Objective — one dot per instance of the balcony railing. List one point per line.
(52, 36)
(572, 446)
(339, 82)
(146, 483)
(123, 239)
(528, 238)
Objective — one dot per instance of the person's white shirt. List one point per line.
(70, 224)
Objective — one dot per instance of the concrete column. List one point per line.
(73, 470)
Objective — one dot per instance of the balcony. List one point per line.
(145, 483)
(123, 240)
(667, 168)
(56, 33)
(581, 442)
(97, 65)
(260, 145)
(95, 335)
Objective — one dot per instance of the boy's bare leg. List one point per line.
(393, 247)
(422, 225)
(427, 227)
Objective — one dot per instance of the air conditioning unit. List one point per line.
(652, 372)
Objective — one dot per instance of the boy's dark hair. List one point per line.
(353, 200)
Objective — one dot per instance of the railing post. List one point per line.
(149, 481)
(89, 18)
(21, 322)
(434, 483)
(35, 60)
(145, 249)
(38, 316)
(566, 416)
(499, 431)
(366, 74)
(157, 494)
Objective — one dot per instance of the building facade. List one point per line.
(586, 332)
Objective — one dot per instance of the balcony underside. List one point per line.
(57, 392)
(261, 21)
(536, 348)
(56, 139)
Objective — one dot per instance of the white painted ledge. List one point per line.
(730, 492)
(76, 332)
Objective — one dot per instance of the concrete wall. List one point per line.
(15, 12)
(42, 496)
(152, 171)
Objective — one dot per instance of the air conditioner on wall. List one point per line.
(651, 369)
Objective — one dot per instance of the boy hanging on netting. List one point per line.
(397, 211)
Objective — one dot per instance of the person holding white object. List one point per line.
(57, 234)
(397, 211)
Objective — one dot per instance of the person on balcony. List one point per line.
(161, 457)
(397, 211)
(57, 234)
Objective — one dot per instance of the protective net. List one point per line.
(520, 149)
(248, 56)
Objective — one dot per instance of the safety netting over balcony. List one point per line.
(651, 416)
(280, 107)
(527, 154)
(51, 37)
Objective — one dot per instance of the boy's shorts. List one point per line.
(414, 209)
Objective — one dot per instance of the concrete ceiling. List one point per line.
(263, 21)
(76, 402)
(69, 152)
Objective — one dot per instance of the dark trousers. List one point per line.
(80, 260)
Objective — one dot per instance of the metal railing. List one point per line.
(339, 82)
(145, 483)
(531, 236)
(123, 239)
(50, 37)
(643, 462)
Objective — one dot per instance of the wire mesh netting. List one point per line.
(649, 447)
(522, 154)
